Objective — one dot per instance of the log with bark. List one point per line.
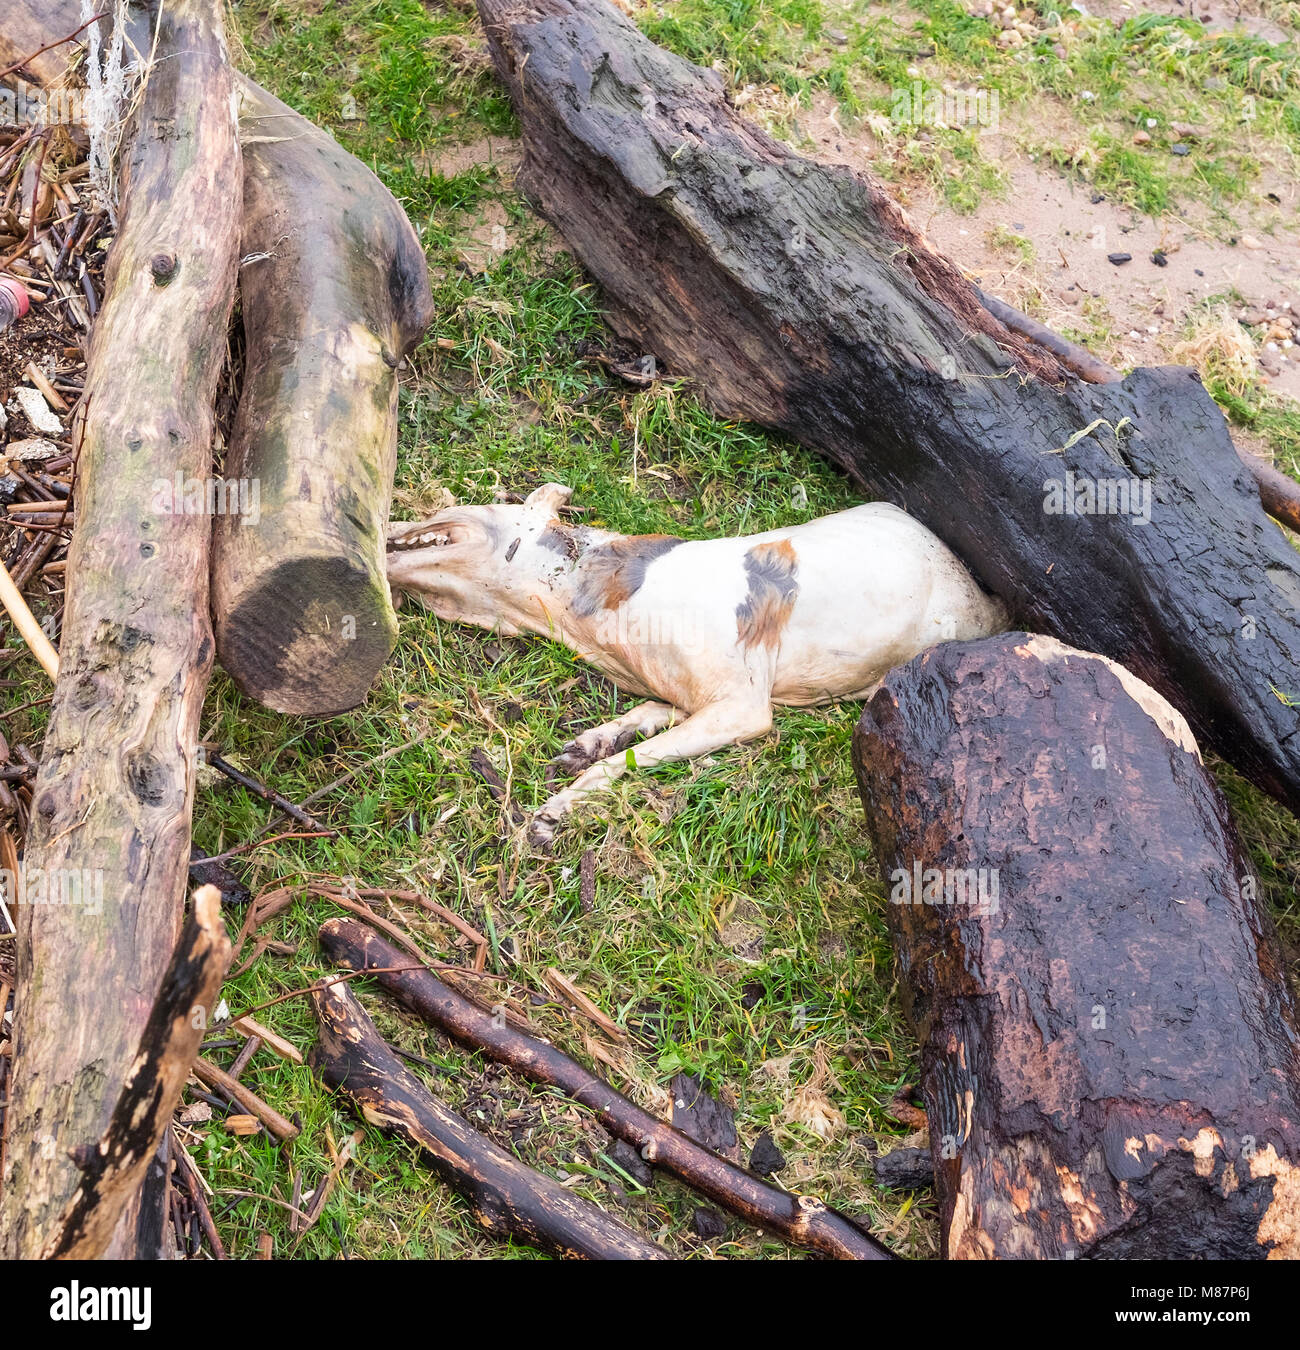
(110, 827)
(508, 1199)
(1110, 1060)
(111, 1171)
(802, 1219)
(799, 296)
(334, 293)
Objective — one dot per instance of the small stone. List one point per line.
(708, 1223)
(35, 448)
(1158, 257)
(1180, 149)
(1141, 138)
(1249, 241)
(1119, 259)
(37, 411)
(766, 1158)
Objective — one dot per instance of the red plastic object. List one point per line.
(14, 301)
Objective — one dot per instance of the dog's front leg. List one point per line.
(610, 737)
(712, 728)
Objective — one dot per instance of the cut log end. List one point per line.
(309, 636)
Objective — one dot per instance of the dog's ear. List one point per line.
(550, 495)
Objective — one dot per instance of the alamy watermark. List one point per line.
(975, 887)
(28, 107)
(915, 105)
(181, 496)
(1081, 495)
(80, 887)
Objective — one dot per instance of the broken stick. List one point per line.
(801, 1219)
(508, 1199)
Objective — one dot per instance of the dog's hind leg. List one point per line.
(610, 737)
(712, 728)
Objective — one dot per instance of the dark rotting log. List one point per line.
(1110, 1062)
(1278, 494)
(801, 1219)
(186, 1006)
(799, 296)
(334, 292)
(507, 1198)
(111, 807)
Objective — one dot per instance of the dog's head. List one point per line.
(475, 564)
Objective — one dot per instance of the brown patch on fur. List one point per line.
(562, 539)
(613, 573)
(762, 615)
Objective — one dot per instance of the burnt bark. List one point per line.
(334, 293)
(113, 798)
(115, 1167)
(1110, 1060)
(801, 1219)
(799, 296)
(507, 1198)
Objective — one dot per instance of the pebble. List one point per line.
(1141, 138)
(37, 411)
(1119, 259)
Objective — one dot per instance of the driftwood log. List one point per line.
(507, 1198)
(334, 293)
(801, 1219)
(799, 296)
(111, 1172)
(110, 831)
(1110, 1060)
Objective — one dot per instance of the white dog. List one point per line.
(714, 631)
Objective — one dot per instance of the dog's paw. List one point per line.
(578, 754)
(541, 830)
(589, 748)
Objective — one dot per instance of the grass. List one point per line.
(738, 930)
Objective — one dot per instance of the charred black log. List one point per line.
(801, 1219)
(508, 1199)
(1110, 1061)
(798, 295)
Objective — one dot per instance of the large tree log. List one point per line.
(185, 1008)
(801, 1219)
(1110, 1061)
(507, 1198)
(304, 618)
(112, 801)
(799, 296)
(334, 295)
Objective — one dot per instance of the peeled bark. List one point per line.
(334, 293)
(508, 1199)
(1109, 1054)
(113, 798)
(799, 296)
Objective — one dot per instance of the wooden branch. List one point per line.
(219, 1080)
(112, 1170)
(507, 1198)
(1109, 1050)
(25, 622)
(799, 296)
(112, 800)
(801, 1219)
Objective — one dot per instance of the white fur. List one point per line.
(869, 589)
